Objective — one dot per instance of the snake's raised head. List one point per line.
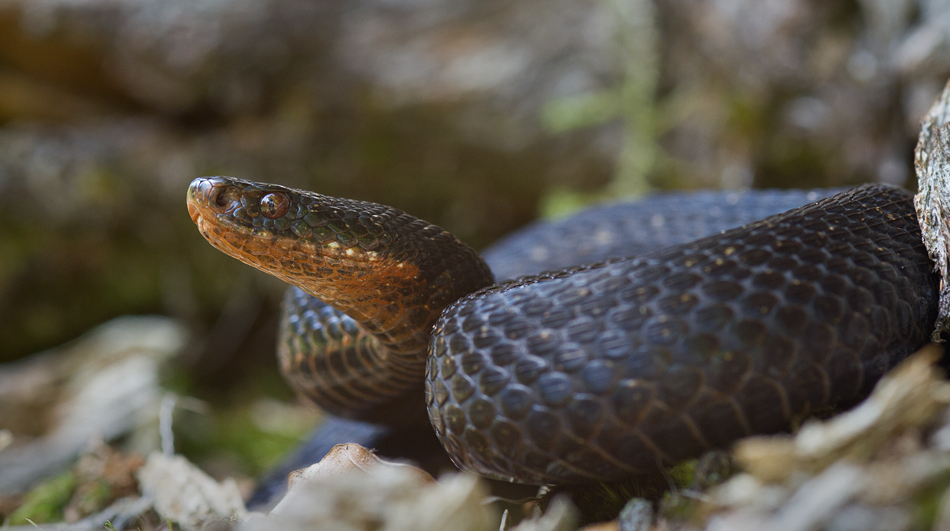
(389, 270)
(295, 235)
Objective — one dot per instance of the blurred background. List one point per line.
(477, 115)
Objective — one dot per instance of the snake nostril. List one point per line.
(222, 197)
(215, 197)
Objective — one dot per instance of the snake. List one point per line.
(590, 372)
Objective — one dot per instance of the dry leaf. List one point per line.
(181, 492)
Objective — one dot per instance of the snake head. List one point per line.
(282, 230)
(304, 238)
(357, 256)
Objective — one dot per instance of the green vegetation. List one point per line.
(46, 501)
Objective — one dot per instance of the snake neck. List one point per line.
(391, 272)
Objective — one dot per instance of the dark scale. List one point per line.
(738, 333)
(593, 372)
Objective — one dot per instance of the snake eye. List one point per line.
(275, 205)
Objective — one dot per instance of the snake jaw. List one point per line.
(194, 213)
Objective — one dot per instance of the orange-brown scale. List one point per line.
(374, 263)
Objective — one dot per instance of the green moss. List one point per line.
(236, 434)
(683, 473)
(259, 449)
(927, 507)
(928, 501)
(46, 501)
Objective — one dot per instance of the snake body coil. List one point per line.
(602, 371)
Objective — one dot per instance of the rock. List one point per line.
(637, 515)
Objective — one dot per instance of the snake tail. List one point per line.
(392, 274)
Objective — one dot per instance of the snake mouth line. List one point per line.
(212, 228)
(194, 213)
